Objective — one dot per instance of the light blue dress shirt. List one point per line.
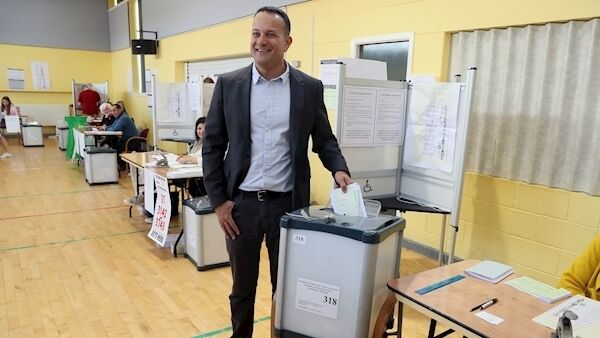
(270, 162)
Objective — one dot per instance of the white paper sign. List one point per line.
(162, 212)
(13, 124)
(318, 298)
(299, 239)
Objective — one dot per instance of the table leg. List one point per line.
(442, 240)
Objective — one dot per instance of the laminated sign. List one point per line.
(317, 298)
(162, 211)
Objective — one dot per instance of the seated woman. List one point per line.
(583, 277)
(106, 113)
(195, 185)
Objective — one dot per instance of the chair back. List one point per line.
(144, 133)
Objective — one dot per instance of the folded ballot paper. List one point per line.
(349, 203)
(490, 271)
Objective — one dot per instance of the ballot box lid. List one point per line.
(99, 150)
(200, 205)
(370, 230)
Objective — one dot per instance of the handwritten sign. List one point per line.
(162, 211)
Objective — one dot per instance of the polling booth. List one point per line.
(405, 142)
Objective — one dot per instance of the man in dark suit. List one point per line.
(255, 155)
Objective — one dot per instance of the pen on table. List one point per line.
(485, 304)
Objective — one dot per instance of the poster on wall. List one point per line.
(16, 78)
(40, 75)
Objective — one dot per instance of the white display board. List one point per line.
(100, 88)
(176, 107)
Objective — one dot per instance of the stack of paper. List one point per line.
(490, 271)
(587, 324)
(538, 289)
(349, 203)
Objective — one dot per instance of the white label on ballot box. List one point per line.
(318, 298)
(162, 212)
(299, 239)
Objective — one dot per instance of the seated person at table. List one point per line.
(583, 277)
(106, 113)
(7, 108)
(195, 185)
(124, 124)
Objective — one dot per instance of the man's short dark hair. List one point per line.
(281, 13)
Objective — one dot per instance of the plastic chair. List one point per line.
(142, 139)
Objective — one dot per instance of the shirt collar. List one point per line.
(256, 75)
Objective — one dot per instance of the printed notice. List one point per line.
(432, 124)
(389, 121)
(162, 212)
(318, 298)
(358, 122)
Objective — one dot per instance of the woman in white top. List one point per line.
(195, 185)
(7, 108)
(194, 156)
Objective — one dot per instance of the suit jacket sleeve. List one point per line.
(324, 142)
(214, 148)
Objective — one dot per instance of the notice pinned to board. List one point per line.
(317, 298)
(373, 116)
(432, 125)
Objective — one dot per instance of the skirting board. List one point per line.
(425, 250)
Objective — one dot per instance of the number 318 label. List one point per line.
(318, 298)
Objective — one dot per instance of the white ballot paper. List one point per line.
(349, 203)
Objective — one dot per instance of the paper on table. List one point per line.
(538, 289)
(588, 316)
(490, 271)
(350, 203)
(490, 318)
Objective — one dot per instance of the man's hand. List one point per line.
(342, 179)
(228, 226)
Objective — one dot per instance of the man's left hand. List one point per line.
(342, 179)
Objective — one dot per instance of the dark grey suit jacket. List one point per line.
(226, 146)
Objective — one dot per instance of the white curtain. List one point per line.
(536, 104)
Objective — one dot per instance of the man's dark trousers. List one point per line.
(257, 215)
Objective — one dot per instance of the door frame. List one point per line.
(395, 37)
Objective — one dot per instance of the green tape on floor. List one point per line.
(227, 329)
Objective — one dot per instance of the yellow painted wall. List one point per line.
(63, 66)
(536, 229)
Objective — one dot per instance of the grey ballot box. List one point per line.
(61, 137)
(100, 165)
(32, 135)
(333, 272)
(204, 239)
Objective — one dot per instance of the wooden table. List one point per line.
(452, 303)
(80, 134)
(138, 162)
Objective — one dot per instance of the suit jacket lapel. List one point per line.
(244, 83)
(296, 107)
